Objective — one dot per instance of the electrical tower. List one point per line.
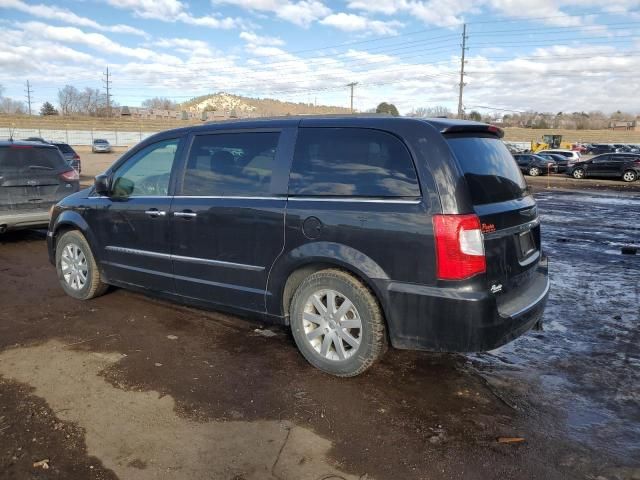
(352, 84)
(29, 92)
(462, 84)
(107, 83)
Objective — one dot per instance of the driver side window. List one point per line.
(146, 173)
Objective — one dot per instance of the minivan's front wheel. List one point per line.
(76, 267)
(629, 176)
(534, 171)
(578, 173)
(337, 323)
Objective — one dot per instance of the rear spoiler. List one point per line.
(477, 128)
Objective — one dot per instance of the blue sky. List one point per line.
(554, 55)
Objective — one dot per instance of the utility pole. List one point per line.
(29, 91)
(107, 82)
(462, 84)
(352, 84)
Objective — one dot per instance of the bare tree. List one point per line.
(426, 112)
(11, 106)
(160, 103)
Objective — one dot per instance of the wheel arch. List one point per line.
(289, 272)
(70, 220)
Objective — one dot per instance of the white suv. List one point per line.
(571, 155)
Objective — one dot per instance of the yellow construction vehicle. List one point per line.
(548, 142)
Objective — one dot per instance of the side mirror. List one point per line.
(102, 185)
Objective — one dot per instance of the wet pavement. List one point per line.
(130, 387)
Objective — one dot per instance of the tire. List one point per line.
(74, 256)
(629, 176)
(534, 171)
(578, 173)
(326, 343)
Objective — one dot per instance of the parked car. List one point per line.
(535, 165)
(599, 148)
(561, 161)
(571, 155)
(70, 155)
(353, 231)
(617, 165)
(33, 177)
(578, 147)
(100, 145)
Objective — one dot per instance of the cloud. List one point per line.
(350, 22)
(171, 11)
(302, 13)
(95, 41)
(254, 39)
(62, 14)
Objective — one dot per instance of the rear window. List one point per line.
(352, 162)
(64, 148)
(29, 159)
(490, 170)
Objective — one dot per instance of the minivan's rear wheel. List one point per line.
(337, 323)
(534, 171)
(76, 267)
(578, 173)
(629, 176)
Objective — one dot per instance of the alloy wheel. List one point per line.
(332, 325)
(73, 264)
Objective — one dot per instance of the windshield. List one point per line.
(490, 170)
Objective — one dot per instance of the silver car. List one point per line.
(100, 145)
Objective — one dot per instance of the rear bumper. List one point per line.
(28, 219)
(450, 320)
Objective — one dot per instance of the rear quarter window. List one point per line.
(491, 172)
(357, 162)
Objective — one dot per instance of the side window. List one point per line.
(231, 164)
(146, 173)
(602, 159)
(352, 162)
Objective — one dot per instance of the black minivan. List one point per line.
(357, 232)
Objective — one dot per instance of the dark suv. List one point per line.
(625, 166)
(354, 231)
(33, 177)
(535, 165)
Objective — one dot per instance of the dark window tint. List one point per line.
(64, 148)
(231, 164)
(602, 159)
(30, 159)
(352, 162)
(489, 168)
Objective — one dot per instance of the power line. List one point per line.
(461, 85)
(29, 91)
(352, 84)
(107, 82)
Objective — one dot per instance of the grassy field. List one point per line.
(135, 125)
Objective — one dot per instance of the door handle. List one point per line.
(154, 212)
(185, 214)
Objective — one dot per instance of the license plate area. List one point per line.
(526, 245)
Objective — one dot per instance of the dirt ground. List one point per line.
(126, 386)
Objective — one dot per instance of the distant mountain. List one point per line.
(230, 105)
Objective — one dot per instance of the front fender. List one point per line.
(66, 220)
(335, 254)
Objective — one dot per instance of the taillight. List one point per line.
(76, 156)
(70, 176)
(459, 246)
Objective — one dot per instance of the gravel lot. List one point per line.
(126, 386)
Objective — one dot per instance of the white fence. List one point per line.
(77, 137)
